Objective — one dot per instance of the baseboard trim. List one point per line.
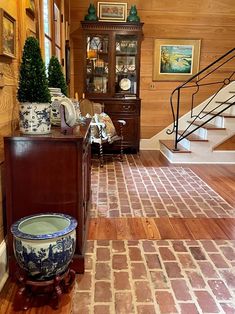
(3, 264)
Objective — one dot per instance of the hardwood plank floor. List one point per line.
(181, 229)
(162, 228)
(227, 226)
(7, 296)
(221, 178)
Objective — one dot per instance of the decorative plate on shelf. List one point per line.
(125, 84)
(95, 43)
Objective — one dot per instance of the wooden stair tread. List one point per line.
(170, 144)
(225, 102)
(223, 114)
(193, 137)
(208, 126)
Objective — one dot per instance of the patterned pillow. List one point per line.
(94, 128)
(109, 131)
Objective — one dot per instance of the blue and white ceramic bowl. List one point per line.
(44, 244)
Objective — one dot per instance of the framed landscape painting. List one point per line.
(175, 59)
(7, 35)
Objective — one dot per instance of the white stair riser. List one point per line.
(185, 143)
(199, 132)
(218, 121)
(212, 136)
(204, 156)
(222, 122)
(217, 135)
(229, 123)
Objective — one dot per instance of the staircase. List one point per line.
(193, 137)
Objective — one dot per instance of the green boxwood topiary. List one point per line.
(33, 85)
(56, 76)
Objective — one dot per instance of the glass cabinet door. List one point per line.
(125, 64)
(97, 64)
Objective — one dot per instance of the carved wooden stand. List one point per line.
(42, 292)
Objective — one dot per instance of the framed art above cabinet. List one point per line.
(111, 70)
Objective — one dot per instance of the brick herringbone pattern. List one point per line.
(129, 189)
(148, 277)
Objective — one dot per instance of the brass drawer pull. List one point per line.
(126, 107)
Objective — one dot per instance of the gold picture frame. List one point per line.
(112, 11)
(7, 35)
(30, 8)
(175, 59)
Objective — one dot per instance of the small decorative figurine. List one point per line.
(91, 16)
(133, 17)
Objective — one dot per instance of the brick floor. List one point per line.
(165, 276)
(129, 189)
(145, 276)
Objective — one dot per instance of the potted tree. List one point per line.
(58, 90)
(55, 76)
(33, 92)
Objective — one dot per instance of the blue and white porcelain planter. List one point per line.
(44, 244)
(35, 118)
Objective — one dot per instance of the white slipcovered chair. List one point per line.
(102, 127)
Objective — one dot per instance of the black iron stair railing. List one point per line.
(205, 79)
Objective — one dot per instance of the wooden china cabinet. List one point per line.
(112, 73)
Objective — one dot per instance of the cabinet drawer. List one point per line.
(130, 131)
(122, 107)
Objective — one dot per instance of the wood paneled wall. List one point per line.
(8, 106)
(212, 21)
(25, 26)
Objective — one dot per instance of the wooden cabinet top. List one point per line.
(115, 26)
(78, 133)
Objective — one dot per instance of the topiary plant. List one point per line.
(56, 76)
(33, 85)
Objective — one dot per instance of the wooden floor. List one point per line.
(161, 228)
(221, 178)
